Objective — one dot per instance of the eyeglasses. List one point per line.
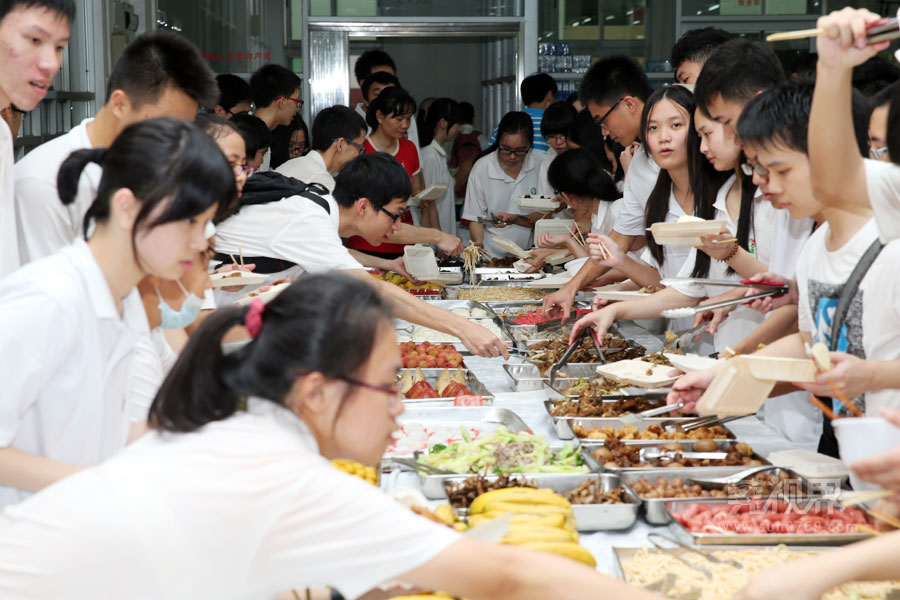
(877, 153)
(391, 390)
(393, 217)
(748, 168)
(238, 168)
(297, 100)
(607, 113)
(359, 147)
(298, 147)
(513, 151)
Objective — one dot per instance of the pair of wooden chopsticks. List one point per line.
(883, 517)
(879, 31)
(241, 254)
(728, 241)
(578, 237)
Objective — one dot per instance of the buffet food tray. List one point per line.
(526, 377)
(433, 485)
(588, 517)
(509, 278)
(405, 329)
(564, 425)
(482, 418)
(497, 286)
(469, 305)
(768, 539)
(431, 375)
(654, 509)
(588, 446)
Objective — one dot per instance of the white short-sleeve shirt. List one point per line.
(66, 361)
(491, 191)
(44, 224)
(241, 509)
(433, 159)
(883, 186)
(310, 168)
(881, 320)
(639, 182)
(294, 229)
(9, 247)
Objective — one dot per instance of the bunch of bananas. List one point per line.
(541, 520)
(358, 469)
(403, 282)
(430, 596)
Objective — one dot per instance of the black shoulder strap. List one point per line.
(849, 290)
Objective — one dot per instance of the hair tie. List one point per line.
(97, 155)
(253, 319)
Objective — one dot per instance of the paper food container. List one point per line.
(735, 391)
(421, 263)
(561, 257)
(237, 278)
(266, 296)
(553, 226)
(685, 233)
(510, 246)
(432, 192)
(530, 202)
(864, 437)
(638, 373)
(691, 362)
(776, 368)
(611, 292)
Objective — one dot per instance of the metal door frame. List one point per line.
(516, 27)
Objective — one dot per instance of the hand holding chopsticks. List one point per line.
(603, 250)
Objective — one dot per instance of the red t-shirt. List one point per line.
(408, 156)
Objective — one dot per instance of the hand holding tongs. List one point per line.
(652, 538)
(776, 290)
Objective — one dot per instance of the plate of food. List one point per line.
(236, 278)
(638, 373)
(266, 293)
(686, 231)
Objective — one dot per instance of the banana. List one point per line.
(535, 509)
(518, 495)
(445, 513)
(520, 537)
(550, 520)
(567, 549)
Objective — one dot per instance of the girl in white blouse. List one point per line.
(441, 126)
(70, 321)
(232, 495)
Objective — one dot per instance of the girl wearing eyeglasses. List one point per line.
(389, 116)
(231, 495)
(505, 172)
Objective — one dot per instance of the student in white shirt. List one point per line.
(35, 32)
(507, 171)
(615, 90)
(239, 451)
(303, 237)
(275, 91)
(840, 176)
(440, 127)
(582, 184)
(74, 315)
(158, 74)
(555, 124)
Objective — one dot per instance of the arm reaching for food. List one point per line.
(607, 254)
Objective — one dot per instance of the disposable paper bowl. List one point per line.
(573, 266)
(863, 437)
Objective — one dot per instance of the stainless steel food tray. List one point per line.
(472, 382)
(452, 292)
(486, 418)
(526, 377)
(469, 305)
(563, 425)
(714, 471)
(769, 539)
(433, 485)
(588, 517)
(506, 278)
(654, 509)
(406, 328)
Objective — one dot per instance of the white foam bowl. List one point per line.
(573, 266)
(864, 437)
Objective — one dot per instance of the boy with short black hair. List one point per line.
(538, 92)
(158, 74)
(275, 91)
(34, 32)
(371, 86)
(690, 52)
(257, 137)
(234, 96)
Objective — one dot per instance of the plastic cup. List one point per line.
(863, 437)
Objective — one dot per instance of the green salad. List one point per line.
(504, 452)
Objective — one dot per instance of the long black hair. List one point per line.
(658, 202)
(514, 122)
(281, 141)
(441, 108)
(706, 185)
(577, 172)
(162, 161)
(321, 323)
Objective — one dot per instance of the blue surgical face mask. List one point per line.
(179, 319)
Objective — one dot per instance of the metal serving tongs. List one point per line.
(417, 466)
(709, 421)
(653, 536)
(776, 289)
(734, 478)
(565, 357)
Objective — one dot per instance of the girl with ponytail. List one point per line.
(70, 321)
(440, 125)
(231, 495)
